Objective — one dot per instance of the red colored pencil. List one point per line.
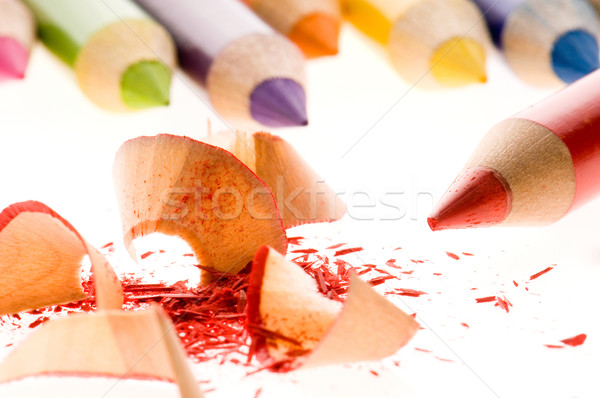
(16, 37)
(532, 168)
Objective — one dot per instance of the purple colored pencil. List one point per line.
(250, 71)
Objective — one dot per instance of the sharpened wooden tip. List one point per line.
(316, 35)
(479, 197)
(146, 84)
(459, 62)
(13, 59)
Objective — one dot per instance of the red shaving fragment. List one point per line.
(465, 325)
(417, 261)
(554, 346)
(335, 246)
(257, 393)
(188, 255)
(437, 274)
(409, 292)
(398, 248)
(321, 281)
(467, 254)
(295, 240)
(305, 251)
(485, 299)
(515, 283)
(575, 341)
(109, 244)
(348, 251)
(38, 321)
(503, 303)
(380, 279)
(143, 256)
(374, 373)
(444, 359)
(392, 263)
(452, 255)
(421, 349)
(535, 276)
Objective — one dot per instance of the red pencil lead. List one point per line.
(479, 197)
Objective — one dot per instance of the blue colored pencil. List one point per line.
(546, 42)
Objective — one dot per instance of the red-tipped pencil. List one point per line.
(16, 37)
(533, 168)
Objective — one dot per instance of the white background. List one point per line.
(57, 147)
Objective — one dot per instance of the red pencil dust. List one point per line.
(532, 168)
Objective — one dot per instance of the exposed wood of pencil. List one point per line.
(246, 63)
(203, 194)
(289, 16)
(139, 344)
(532, 29)
(536, 165)
(16, 21)
(429, 25)
(40, 262)
(445, 37)
(110, 52)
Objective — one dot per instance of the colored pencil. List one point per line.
(16, 38)
(433, 42)
(250, 71)
(546, 42)
(314, 25)
(532, 168)
(121, 57)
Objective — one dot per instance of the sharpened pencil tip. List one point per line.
(574, 55)
(479, 197)
(279, 102)
(459, 62)
(13, 59)
(316, 35)
(146, 84)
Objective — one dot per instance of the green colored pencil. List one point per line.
(121, 57)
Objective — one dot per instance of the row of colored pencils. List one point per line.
(123, 52)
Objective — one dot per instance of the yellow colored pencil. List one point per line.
(433, 42)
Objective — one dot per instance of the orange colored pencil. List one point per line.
(314, 25)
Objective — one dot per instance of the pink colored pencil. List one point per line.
(16, 37)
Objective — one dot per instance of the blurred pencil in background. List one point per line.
(17, 30)
(250, 71)
(314, 25)
(121, 57)
(447, 38)
(546, 42)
